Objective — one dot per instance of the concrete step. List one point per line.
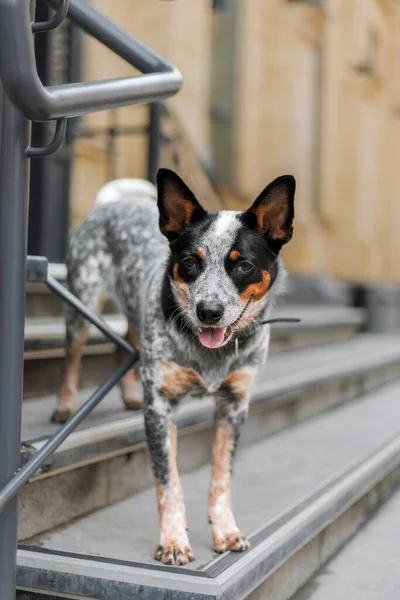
(299, 495)
(99, 458)
(45, 352)
(367, 568)
(45, 337)
(40, 302)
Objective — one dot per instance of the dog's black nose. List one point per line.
(209, 313)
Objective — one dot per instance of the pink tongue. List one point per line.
(212, 337)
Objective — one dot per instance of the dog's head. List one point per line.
(222, 264)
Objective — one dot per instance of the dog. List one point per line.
(194, 286)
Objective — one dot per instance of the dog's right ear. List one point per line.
(273, 212)
(177, 205)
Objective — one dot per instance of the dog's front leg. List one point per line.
(232, 401)
(174, 547)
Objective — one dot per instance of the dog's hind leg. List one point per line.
(77, 331)
(130, 385)
(232, 401)
(67, 396)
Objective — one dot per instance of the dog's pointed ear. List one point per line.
(273, 211)
(177, 204)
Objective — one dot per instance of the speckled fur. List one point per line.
(119, 250)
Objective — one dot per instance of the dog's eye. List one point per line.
(245, 266)
(189, 262)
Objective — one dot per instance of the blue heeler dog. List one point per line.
(195, 286)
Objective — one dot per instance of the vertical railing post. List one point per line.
(154, 141)
(13, 237)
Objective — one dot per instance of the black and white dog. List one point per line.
(195, 287)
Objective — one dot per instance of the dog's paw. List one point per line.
(133, 401)
(174, 554)
(62, 415)
(132, 392)
(234, 541)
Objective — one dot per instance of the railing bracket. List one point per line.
(54, 145)
(55, 21)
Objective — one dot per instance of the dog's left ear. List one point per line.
(273, 211)
(177, 204)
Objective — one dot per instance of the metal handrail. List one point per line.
(24, 98)
(39, 103)
(12, 488)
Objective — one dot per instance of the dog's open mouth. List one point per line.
(214, 337)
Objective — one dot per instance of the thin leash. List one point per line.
(269, 322)
(288, 320)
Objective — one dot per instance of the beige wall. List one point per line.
(276, 111)
(359, 191)
(181, 32)
(304, 107)
(305, 103)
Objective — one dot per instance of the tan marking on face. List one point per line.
(176, 381)
(180, 213)
(175, 275)
(252, 311)
(201, 253)
(234, 255)
(171, 508)
(256, 291)
(181, 287)
(239, 382)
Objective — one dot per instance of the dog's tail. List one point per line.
(119, 188)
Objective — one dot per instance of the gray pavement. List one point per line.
(297, 366)
(368, 567)
(270, 476)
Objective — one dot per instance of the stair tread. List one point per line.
(53, 328)
(269, 478)
(282, 372)
(367, 568)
